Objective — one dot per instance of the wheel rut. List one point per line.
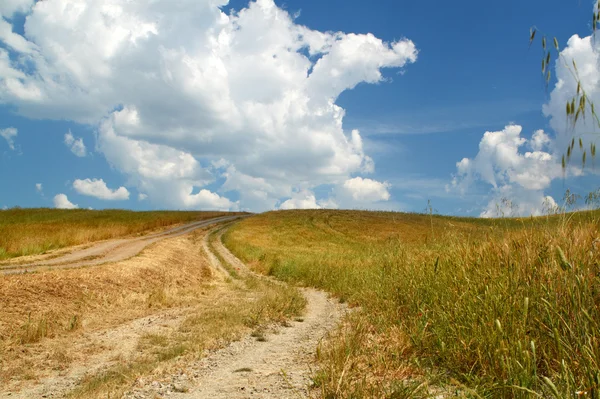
(107, 251)
(280, 366)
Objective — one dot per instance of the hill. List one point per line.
(487, 308)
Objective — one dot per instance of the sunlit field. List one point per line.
(504, 308)
(35, 231)
(48, 319)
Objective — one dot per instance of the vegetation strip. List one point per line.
(37, 231)
(481, 308)
(217, 321)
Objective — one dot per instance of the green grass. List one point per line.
(36, 231)
(506, 308)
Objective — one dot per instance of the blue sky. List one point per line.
(471, 72)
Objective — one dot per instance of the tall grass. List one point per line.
(35, 231)
(507, 308)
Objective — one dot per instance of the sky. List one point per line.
(262, 105)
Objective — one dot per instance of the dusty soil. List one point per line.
(118, 313)
(90, 353)
(279, 368)
(102, 252)
(279, 365)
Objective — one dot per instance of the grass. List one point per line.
(236, 307)
(36, 231)
(42, 314)
(39, 308)
(506, 308)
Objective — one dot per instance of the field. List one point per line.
(93, 332)
(505, 308)
(36, 231)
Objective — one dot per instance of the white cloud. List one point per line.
(586, 53)
(328, 203)
(142, 197)
(520, 177)
(62, 202)
(367, 190)
(97, 188)
(523, 177)
(173, 88)
(9, 135)
(39, 188)
(301, 200)
(76, 145)
(512, 201)
(539, 141)
(9, 7)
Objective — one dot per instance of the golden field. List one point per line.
(36, 231)
(109, 325)
(504, 308)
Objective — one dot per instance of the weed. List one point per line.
(74, 323)
(34, 330)
(259, 334)
(498, 308)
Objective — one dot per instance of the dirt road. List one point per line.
(280, 367)
(107, 251)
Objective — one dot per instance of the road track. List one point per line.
(108, 251)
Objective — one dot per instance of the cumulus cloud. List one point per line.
(10, 7)
(521, 177)
(367, 190)
(301, 200)
(187, 85)
(76, 145)
(9, 135)
(585, 52)
(518, 178)
(97, 188)
(62, 202)
(39, 188)
(142, 197)
(540, 141)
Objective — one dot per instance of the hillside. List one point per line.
(486, 308)
(32, 231)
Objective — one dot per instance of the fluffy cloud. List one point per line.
(585, 52)
(301, 200)
(539, 141)
(75, 144)
(97, 188)
(175, 88)
(521, 177)
(39, 188)
(9, 7)
(367, 190)
(62, 202)
(9, 135)
(518, 179)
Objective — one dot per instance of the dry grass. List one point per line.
(214, 322)
(36, 231)
(55, 304)
(481, 308)
(42, 314)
